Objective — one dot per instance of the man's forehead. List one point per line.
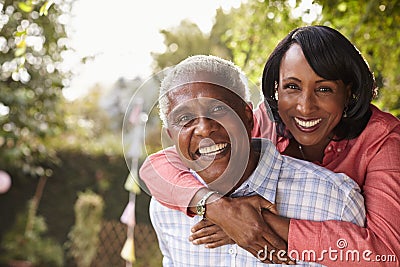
(217, 78)
(200, 88)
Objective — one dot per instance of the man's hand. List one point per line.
(208, 234)
(241, 219)
(212, 236)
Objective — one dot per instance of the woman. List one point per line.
(319, 89)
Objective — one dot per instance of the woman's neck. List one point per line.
(314, 153)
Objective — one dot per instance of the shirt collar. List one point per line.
(332, 147)
(337, 146)
(264, 179)
(198, 177)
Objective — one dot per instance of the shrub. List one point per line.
(84, 235)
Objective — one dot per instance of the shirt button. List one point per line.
(231, 251)
(329, 148)
(339, 150)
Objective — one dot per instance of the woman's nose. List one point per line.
(306, 103)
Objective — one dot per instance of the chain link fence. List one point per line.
(112, 238)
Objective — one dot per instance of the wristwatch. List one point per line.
(201, 205)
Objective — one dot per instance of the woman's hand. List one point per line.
(208, 234)
(242, 220)
(279, 224)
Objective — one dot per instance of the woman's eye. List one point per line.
(324, 90)
(291, 86)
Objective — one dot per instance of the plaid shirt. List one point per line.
(300, 190)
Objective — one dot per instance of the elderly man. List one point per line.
(204, 108)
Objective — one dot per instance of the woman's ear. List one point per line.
(348, 93)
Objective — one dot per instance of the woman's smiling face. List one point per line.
(309, 105)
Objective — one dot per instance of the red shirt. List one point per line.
(372, 160)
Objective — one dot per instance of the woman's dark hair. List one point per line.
(333, 57)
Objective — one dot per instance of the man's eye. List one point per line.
(218, 108)
(183, 120)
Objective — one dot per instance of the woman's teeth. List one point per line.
(307, 124)
(212, 150)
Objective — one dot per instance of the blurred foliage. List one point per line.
(152, 257)
(187, 39)
(248, 34)
(84, 240)
(120, 103)
(31, 245)
(374, 27)
(254, 31)
(33, 41)
(87, 126)
(78, 171)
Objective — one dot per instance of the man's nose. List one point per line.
(205, 126)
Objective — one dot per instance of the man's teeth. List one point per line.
(212, 150)
(307, 124)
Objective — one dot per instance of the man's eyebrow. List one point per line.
(214, 101)
(225, 101)
(179, 109)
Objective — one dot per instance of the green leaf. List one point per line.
(342, 7)
(18, 34)
(44, 9)
(21, 44)
(26, 7)
(20, 51)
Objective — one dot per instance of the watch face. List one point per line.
(200, 210)
(201, 205)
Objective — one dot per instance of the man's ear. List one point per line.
(168, 132)
(249, 114)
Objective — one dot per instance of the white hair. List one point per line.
(202, 68)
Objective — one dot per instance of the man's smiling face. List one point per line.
(210, 127)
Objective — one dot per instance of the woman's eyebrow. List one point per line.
(290, 79)
(317, 81)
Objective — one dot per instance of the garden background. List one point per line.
(57, 150)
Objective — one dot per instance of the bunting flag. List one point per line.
(132, 181)
(128, 216)
(132, 184)
(128, 251)
(134, 116)
(5, 182)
